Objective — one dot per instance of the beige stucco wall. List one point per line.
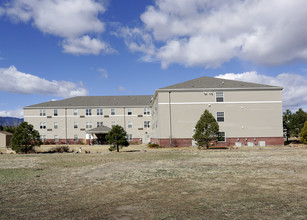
(247, 113)
(121, 117)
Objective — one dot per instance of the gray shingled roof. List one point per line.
(97, 101)
(99, 130)
(217, 83)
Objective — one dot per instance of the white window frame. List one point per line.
(75, 111)
(55, 112)
(99, 123)
(220, 116)
(129, 137)
(42, 125)
(129, 111)
(56, 138)
(88, 111)
(43, 138)
(42, 112)
(219, 96)
(222, 136)
(75, 124)
(146, 124)
(112, 111)
(55, 125)
(130, 124)
(89, 124)
(146, 111)
(76, 139)
(99, 111)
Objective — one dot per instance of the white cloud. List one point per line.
(211, 32)
(69, 19)
(14, 81)
(294, 86)
(17, 113)
(85, 45)
(121, 88)
(103, 73)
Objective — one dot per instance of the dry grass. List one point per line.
(249, 183)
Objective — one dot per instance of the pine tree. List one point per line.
(117, 137)
(206, 130)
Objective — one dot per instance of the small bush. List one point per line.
(112, 148)
(155, 146)
(61, 149)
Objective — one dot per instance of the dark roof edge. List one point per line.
(73, 107)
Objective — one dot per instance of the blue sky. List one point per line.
(56, 49)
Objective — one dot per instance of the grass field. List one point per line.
(248, 183)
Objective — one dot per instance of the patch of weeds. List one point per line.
(18, 174)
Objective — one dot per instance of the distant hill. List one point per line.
(10, 121)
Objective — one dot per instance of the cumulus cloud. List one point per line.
(85, 45)
(17, 113)
(69, 19)
(14, 81)
(294, 86)
(211, 32)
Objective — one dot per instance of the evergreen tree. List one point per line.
(206, 130)
(25, 138)
(304, 134)
(117, 137)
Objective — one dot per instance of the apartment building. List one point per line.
(79, 119)
(248, 114)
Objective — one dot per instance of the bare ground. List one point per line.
(248, 183)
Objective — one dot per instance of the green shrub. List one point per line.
(61, 149)
(155, 146)
(112, 148)
(303, 138)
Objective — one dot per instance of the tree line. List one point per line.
(293, 123)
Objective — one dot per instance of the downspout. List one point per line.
(170, 120)
(66, 125)
(124, 119)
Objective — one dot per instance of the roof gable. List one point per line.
(215, 83)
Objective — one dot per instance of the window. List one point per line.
(112, 124)
(221, 136)
(112, 111)
(99, 123)
(43, 138)
(89, 125)
(55, 112)
(129, 137)
(42, 125)
(220, 116)
(129, 124)
(75, 124)
(219, 97)
(42, 112)
(146, 124)
(88, 111)
(99, 111)
(56, 138)
(76, 138)
(146, 111)
(129, 111)
(75, 111)
(55, 125)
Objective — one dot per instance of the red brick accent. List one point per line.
(135, 141)
(176, 142)
(187, 142)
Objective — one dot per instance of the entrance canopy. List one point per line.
(99, 130)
